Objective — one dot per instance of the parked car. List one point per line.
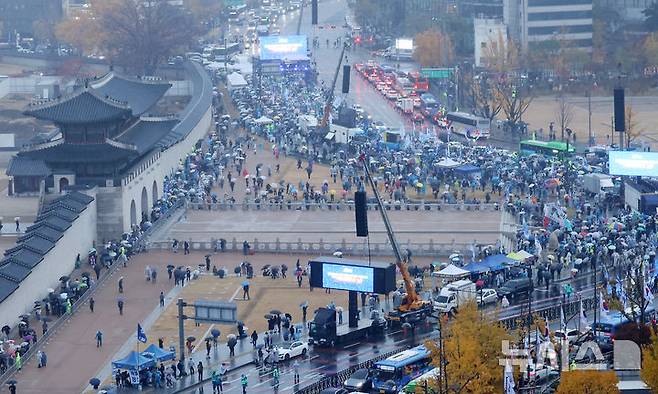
(515, 288)
(486, 296)
(292, 349)
(570, 334)
(360, 380)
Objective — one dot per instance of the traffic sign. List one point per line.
(437, 73)
(215, 311)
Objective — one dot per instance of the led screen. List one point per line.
(283, 48)
(348, 277)
(634, 163)
(404, 43)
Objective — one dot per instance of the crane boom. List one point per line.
(330, 95)
(412, 296)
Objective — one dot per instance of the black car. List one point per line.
(361, 380)
(516, 287)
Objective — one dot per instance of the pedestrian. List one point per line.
(121, 284)
(216, 382)
(244, 382)
(505, 302)
(245, 290)
(231, 347)
(254, 338)
(18, 224)
(304, 309)
(181, 368)
(162, 299)
(191, 367)
(199, 370)
(295, 368)
(186, 248)
(44, 359)
(99, 338)
(39, 359)
(44, 327)
(207, 263)
(12, 388)
(120, 306)
(91, 304)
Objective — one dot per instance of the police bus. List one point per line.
(392, 374)
(470, 126)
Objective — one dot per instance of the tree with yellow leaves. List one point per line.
(633, 129)
(433, 48)
(472, 347)
(650, 362)
(501, 54)
(588, 382)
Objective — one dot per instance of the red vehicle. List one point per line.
(421, 84)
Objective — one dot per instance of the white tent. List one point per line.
(235, 81)
(448, 163)
(263, 120)
(451, 272)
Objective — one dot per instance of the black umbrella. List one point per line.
(95, 382)
(268, 316)
(12, 381)
(171, 266)
(85, 274)
(63, 278)
(191, 339)
(6, 329)
(275, 312)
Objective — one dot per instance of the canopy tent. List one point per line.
(235, 81)
(447, 163)
(452, 272)
(263, 120)
(158, 354)
(519, 256)
(468, 170)
(490, 264)
(134, 361)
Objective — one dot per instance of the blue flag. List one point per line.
(141, 335)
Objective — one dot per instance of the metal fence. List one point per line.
(337, 379)
(62, 320)
(338, 206)
(362, 248)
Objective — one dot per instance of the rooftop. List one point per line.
(141, 93)
(83, 106)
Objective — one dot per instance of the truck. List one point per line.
(406, 105)
(453, 295)
(600, 184)
(323, 330)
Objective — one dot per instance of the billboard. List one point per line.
(404, 44)
(288, 48)
(633, 163)
(348, 277)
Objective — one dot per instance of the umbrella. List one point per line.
(12, 381)
(268, 316)
(63, 278)
(94, 382)
(215, 332)
(191, 339)
(85, 274)
(245, 283)
(275, 312)
(231, 336)
(171, 266)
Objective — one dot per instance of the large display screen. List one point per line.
(283, 48)
(348, 277)
(634, 163)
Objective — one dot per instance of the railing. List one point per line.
(337, 379)
(321, 247)
(339, 205)
(62, 320)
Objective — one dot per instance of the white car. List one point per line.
(487, 296)
(292, 349)
(571, 334)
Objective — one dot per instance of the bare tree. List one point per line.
(633, 129)
(563, 113)
(483, 98)
(514, 102)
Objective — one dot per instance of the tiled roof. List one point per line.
(59, 212)
(140, 93)
(14, 272)
(66, 203)
(24, 257)
(23, 166)
(7, 287)
(34, 244)
(46, 232)
(148, 133)
(52, 221)
(83, 106)
(61, 152)
(77, 196)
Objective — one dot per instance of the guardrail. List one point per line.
(338, 206)
(337, 379)
(430, 248)
(62, 320)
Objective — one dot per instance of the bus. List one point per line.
(392, 374)
(421, 83)
(470, 126)
(410, 388)
(428, 104)
(546, 148)
(608, 324)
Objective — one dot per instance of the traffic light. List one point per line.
(357, 40)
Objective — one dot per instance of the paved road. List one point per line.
(333, 226)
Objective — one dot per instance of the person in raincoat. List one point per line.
(69, 307)
(18, 361)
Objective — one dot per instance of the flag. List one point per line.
(648, 295)
(508, 385)
(538, 341)
(563, 325)
(547, 332)
(602, 308)
(583, 319)
(141, 335)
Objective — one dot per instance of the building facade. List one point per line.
(487, 32)
(17, 17)
(533, 22)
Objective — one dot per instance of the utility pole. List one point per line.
(181, 329)
(589, 118)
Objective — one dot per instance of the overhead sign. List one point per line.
(633, 163)
(437, 73)
(215, 311)
(283, 48)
